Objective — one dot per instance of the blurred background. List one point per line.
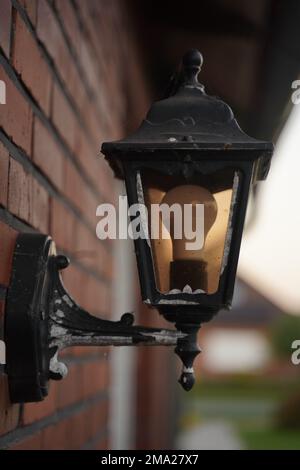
(80, 72)
(248, 391)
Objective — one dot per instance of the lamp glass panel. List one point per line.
(190, 251)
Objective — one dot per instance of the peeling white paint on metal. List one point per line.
(71, 340)
(165, 337)
(188, 370)
(176, 302)
(57, 301)
(186, 290)
(57, 331)
(68, 301)
(141, 200)
(230, 220)
(60, 313)
(58, 367)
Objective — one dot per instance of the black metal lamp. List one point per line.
(189, 149)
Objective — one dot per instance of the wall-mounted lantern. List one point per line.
(188, 150)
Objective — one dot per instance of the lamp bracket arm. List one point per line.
(71, 325)
(41, 319)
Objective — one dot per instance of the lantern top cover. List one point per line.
(188, 119)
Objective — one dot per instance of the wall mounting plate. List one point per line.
(26, 318)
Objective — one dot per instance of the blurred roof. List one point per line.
(250, 308)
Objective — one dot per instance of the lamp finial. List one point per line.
(191, 63)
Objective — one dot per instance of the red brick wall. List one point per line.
(72, 79)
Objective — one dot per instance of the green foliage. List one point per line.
(271, 439)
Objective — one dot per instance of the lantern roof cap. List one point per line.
(188, 119)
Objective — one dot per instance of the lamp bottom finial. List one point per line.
(188, 349)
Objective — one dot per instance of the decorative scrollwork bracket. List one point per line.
(42, 319)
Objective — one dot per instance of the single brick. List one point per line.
(51, 36)
(4, 166)
(7, 245)
(39, 206)
(56, 437)
(30, 443)
(47, 154)
(49, 33)
(5, 26)
(70, 389)
(68, 17)
(95, 377)
(96, 419)
(30, 64)
(35, 411)
(16, 115)
(77, 430)
(31, 9)
(64, 118)
(73, 179)
(91, 251)
(19, 190)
